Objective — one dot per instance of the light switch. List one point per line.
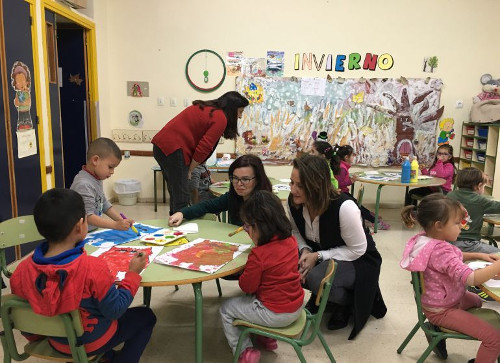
(173, 102)
(161, 101)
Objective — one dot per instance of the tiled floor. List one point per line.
(173, 337)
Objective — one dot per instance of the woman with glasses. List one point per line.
(442, 167)
(191, 137)
(328, 225)
(246, 174)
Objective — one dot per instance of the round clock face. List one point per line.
(134, 118)
(205, 70)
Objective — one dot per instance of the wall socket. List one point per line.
(123, 135)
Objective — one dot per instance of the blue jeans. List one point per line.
(134, 329)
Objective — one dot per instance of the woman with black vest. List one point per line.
(328, 225)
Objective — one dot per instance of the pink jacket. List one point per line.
(445, 274)
(343, 177)
(440, 170)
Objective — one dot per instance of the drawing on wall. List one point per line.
(382, 119)
(430, 64)
(233, 63)
(255, 67)
(21, 82)
(275, 63)
(446, 131)
(137, 89)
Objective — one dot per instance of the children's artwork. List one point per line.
(446, 131)
(112, 237)
(202, 255)
(275, 63)
(135, 118)
(382, 119)
(20, 77)
(233, 63)
(163, 236)
(253, 67)
(26, 143)
(430, 64)
(137, 89)
(118, 257)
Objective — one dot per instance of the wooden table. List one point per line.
(430, 182)
(162, 275)
(219, 189)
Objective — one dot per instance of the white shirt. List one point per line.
(351, 231)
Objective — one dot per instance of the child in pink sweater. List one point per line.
(442, 167)
(445, 300)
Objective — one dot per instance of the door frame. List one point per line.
(91, 60)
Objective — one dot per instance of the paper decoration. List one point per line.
(202, 255)
(20, 77)
(275, 63)
(446, 132)
(137, 89)
(113, 237)
(313, 86)
(233, 63)
(382, 119)
(135, 118)
(339, 63)
(255, 67)
(26, 143)
(430, 64)
(75, 78)
(118, 257)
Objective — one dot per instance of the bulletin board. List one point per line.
(382, 119)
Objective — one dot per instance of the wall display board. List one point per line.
(382, 119)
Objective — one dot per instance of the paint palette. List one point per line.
(163, 236)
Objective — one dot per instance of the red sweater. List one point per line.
(271, 273)
(194, 131)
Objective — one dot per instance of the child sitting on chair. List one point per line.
(270, 276)
(60, 277)
(445, 300)
(103, 156)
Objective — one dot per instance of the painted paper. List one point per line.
(233, 63)
(275, 63)
(446, 131)
(382, 119)
(118, 257)
(113, 237)
(253, 67)
(202, 255)
(20, 77)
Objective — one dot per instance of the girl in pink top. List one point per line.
(445, 300)
(442, 167)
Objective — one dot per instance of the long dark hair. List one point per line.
(339, 154)
(315, 181)
(264, 211)
(229, 103)
(261, 180)
(326, 149)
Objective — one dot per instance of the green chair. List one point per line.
(15, 232)
(442, 333)
(17, 314)
(301, 332)
(361, 193)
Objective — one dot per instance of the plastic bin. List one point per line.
(481, 157)
(127, 191)
(468, 154)
(469, 142)
(469, 130)
(483, 132)
(481, 144)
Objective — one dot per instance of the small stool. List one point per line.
(156, 169)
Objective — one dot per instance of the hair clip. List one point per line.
(328, 149)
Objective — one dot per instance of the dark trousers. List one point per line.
(134, 329)
(421, 192)
(175, 173)
(342, 285)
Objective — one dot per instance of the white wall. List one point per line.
(151, 41)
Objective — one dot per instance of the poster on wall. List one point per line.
(20, 77)
(382, 119)
(26, 143)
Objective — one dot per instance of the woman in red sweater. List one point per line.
(271, 278)
(189, 139)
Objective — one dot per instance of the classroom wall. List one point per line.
(152, 40)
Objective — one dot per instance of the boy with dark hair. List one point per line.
(61, 277)
(103, 157)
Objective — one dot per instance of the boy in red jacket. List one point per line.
(61, 277)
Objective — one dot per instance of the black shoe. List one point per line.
(440, 348)
(482, 295)
(339, 318)
(311, 305)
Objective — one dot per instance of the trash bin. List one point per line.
(127, 191)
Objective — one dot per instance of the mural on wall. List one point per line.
(382, 119)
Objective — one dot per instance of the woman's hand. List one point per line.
(175, 219)
(307, 261)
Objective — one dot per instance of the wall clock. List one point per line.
(205, 70)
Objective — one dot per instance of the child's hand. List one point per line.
(122, 224)
(137, 263)
(353, 177)
(175, 219)
(492, 257)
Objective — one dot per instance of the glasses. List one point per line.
(246, 226)
(443, 154)
(245, 180)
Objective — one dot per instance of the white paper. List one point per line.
(492, 283)
(281, 187)
(188, 228)
(313, 86)
(26, 143)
